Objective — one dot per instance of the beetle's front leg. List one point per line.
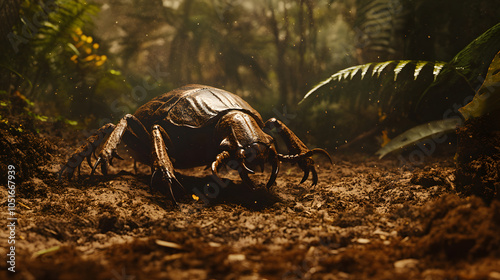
(161, 161)
(86, 150)
(298, 151)
(109, 151)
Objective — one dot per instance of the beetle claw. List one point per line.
(246, 180)
(273, 157)
(243, 165)
(89, 161)
(169, 182)
(306, 175)
(94, 167)
(116, 155)
(70, 172)
(315, 177)
(104, 166)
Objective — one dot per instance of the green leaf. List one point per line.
(487, 98)
(390, 92)
(73, 48)
(419, 133)
(463, 74)
(45, 251)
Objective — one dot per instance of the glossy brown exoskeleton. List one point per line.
(192, 126)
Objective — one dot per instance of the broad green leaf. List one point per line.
(487, 98)
(419, 133)
(463, 74)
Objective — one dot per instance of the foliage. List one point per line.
(419, 133)
(379, 24)
(266, 51)
(9, 12)
(389, 94)
(465, 67)
(51, 60)
(487, 98)
(406, 95)
(485, 101)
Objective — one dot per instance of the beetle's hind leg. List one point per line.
(161, 162)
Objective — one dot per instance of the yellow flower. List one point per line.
(100, 62)
(89, 40)
(95, 46)
(84, 38)
(90, 57)
(385, 139)
(78, 31)
(74, 58)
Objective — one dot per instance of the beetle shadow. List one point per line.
(230, 192)
(205, 188)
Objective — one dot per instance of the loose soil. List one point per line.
(366, 219)
(478, 157)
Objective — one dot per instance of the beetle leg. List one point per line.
(221, 159)
(273, 157)
(243, 170)
(162, 162)
(109, 151)
(244, 177)
(86, 150)
(298, 151)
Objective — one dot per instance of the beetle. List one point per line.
(192, 126)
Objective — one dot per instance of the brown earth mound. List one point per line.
(366, 219)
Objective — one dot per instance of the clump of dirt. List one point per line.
(22, 148)
(478, 157)
(455, 230)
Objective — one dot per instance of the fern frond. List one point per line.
(381, 69)
(378, 21)
(486, 100)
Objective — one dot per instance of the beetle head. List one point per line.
(244, 146)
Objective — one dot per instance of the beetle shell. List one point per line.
(193, 106)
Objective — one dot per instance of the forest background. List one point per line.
(88, 63)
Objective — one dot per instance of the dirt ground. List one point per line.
(366, 219)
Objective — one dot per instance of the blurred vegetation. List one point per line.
(95, 61)
(52, 62)
(418, 91)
